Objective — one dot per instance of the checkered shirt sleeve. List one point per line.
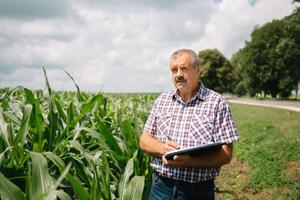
(225, 128)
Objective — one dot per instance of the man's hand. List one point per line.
(169, 145)
(157, 148)
(214, 159)
(179, 161)
(154, 147)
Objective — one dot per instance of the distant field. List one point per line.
(266, 164)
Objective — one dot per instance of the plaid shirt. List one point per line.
(204, 119)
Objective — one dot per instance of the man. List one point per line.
(193, 115)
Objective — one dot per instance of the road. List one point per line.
(288, 105)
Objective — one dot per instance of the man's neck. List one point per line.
(187, 95)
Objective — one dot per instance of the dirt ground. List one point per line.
(233, 183)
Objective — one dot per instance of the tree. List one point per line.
(216, 71)
(293, 29)
(240, 83)
(271, 59)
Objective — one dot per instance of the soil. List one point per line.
(234, 180)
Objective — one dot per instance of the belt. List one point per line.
(170, 181)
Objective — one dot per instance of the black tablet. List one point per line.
(194, 151)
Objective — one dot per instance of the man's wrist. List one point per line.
(162, 149)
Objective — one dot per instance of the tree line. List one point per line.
(268, 64)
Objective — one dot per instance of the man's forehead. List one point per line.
(183, 58)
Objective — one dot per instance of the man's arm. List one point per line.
(216, 159)
(155, 148)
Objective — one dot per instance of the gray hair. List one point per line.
(178, 53)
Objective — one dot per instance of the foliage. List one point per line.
(270, 60)
(217, 72)
(240, 85)
(72, 145)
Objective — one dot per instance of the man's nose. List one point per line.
(179, 72)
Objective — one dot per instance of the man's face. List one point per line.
(185, 77)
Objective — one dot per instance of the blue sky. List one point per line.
(119, 45)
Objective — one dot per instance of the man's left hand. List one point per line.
(213, 159)
(179, 161)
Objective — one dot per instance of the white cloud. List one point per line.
(121, 46)
(232, 22)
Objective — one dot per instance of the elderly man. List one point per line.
(193, 115)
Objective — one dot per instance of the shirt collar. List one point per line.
(201, 93)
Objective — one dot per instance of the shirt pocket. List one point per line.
(201, 132)
(163, 122)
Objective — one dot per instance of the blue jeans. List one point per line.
(169, 189)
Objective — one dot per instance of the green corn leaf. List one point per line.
(3, 130)
(49, 90)
(95, 135)
(71, 113)
(128, 136)
(2, 155)
(14, 118)
(80, 148)
(81, 171)
(23, 131)
(37, 114)
(124, 181)
(87, 108)
(105, 171)
(52, 127)
(102, 142)
(52, 195)
(80, 191)
(11, 133)
(109, 138)
(95, 187)
(135, 188)
(36, 119)
(41, 180)
(55, 159)
(51, 131)
(62, 195)
(62, 176)
(137, 127)
(60, 110)
(10, 191)
(80, 97)
(75, 144)
(4, 100)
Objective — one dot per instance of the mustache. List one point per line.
(180, 79)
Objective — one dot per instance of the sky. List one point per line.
(119, 45)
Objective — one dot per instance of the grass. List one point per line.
(268, 153)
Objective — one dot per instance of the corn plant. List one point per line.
(72, 145)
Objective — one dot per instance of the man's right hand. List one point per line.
(169, 145)
(154, 147)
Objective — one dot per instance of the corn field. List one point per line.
(72, 145)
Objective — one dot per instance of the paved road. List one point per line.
(288, 105)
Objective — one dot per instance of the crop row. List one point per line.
(72, 145)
